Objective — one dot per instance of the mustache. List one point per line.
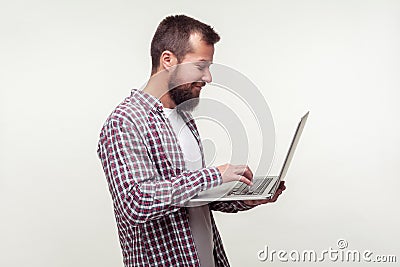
(199, 84)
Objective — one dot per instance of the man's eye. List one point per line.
(200, 67)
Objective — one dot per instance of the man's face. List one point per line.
(188, 78)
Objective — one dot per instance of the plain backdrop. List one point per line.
(66, 64)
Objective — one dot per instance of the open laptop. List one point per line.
(263, 187)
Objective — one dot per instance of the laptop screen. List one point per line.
(293, 146)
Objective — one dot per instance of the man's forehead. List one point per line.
(200, 50)
(191, 58)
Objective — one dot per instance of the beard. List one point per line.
(186, 96)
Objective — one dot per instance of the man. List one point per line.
(153, 159)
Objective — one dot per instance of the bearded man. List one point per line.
(153, 159)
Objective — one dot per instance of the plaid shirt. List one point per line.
(149, 184)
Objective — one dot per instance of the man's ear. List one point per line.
(168, 60)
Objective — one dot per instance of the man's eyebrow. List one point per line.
(205, 60)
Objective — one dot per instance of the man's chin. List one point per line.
(185, 97)
(189, 105)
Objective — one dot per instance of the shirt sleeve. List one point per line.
(139, 192)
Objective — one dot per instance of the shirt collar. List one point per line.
(146, 100)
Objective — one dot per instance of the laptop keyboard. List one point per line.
(258, 187)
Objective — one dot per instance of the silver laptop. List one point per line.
(263, 187)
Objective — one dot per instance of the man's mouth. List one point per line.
(199, 86)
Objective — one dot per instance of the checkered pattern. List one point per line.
(149, 185)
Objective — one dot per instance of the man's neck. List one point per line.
(157, 86)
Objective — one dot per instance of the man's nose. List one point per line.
(207, 76)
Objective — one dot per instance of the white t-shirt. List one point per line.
(199, 217)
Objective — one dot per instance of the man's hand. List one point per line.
(232, 173)
(279, 191)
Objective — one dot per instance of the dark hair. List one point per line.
(173, 34)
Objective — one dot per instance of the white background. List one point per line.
(66, 64)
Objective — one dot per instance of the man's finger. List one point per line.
(247, 173)
(276, 195)
(245, 180)
(256, 202)
(282, 185)
(251, 173)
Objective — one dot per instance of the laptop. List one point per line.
(264, 187)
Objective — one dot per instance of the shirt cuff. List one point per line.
(213, 178)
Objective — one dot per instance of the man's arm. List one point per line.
(139, 192)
